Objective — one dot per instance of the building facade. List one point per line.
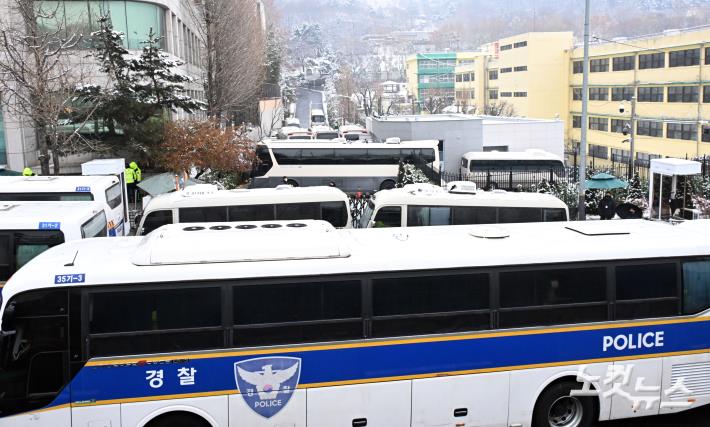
(432, 75)
(668, 77)
(172, 20)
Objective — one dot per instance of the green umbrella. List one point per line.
(604, 181)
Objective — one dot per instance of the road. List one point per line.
(699, 417)
(304, 98)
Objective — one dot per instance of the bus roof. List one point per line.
(428, 194)
(510, 155)
(29, 215)
(197, 252)
(346, 144)
(253, 196)
(52, 184)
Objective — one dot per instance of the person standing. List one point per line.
(131, 183)
(136, 171)
(607, 207)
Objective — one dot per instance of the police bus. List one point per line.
(206, 203)
(296, 323)
(352, 166)
(459, 203)
(30, 228)
(103, 189)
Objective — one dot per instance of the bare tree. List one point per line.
(37, 79)
(233, 45)
(498, 108)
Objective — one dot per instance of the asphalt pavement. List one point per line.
(304, 98)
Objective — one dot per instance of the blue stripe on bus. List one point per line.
(368, 362)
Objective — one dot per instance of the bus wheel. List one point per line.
(556, 408)
(387, 184)
(178, 419)
(292, 183)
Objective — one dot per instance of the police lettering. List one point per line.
(633, 341)
(267, 403)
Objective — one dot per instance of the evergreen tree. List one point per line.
(635, 192)
(544, 187)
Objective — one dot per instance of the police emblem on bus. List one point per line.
(267, 383)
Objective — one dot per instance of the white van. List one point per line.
(30, 228)
(206, 203)
(460, 203)
(103, 189)
(317, 117)
(508, 169)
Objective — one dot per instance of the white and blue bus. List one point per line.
(296, 323)
(106, 190)
(30, 228)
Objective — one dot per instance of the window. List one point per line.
(47, 197)
(599, 65)
(463, 215)
(506, 94)
(686, 131)
(493, 75)
(335, 213)
(696, 286)
(650, 94)
(598, 94)
(430, 304)
(113, 195)
(520, 44)
(707, 56)
(388, 216)
(599, 123)
(649, 128)
(620, 156)
(459, 78)
(165, 320)
(646, 290)
(706, 93)
(644, 159)
(577, 67)
(506, 70)
(683, 93)
(493, 94)
(297, 312)
(622, 93)
(598, 151)
(618, 125)
(652, 60)
(705, 133)
(576, 94)
(520, 94)
(684, 58)
(519, 215)
(157, 219)
(251, 213)
(295, 211)
(556, 296)
(506, 47)
(95, 227)
(428, 215)
(468, 77)
(521, 68)
(622, 63)
(577, 122)
(203, 214)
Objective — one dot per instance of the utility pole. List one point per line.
(632, 135)
(581, 214)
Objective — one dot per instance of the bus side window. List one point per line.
(203, 214)
(646, 290)
(696, 286)
(549, 215)
(5, 254)
(157, 219)
(388, 216)
(263, 161)
(251, 213)
(113, 195)
(464, 215)
(295, 211)
(335, 213)
(428, 215)
(518, 214)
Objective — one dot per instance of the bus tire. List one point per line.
(387, 184)
(292, 183)
(556, 408)
(178, 419)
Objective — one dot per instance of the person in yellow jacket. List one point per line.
(136, 170)
(130, 183)
(27, 172)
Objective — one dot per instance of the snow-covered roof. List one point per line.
(30, 215)
(347, 144)
(672, 166)
(511, 155)
(51, 184)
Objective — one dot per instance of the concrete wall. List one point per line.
(548, 135)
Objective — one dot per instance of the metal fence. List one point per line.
(357, 207)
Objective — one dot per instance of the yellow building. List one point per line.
(669, 76)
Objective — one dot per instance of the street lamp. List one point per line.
(630, 129)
